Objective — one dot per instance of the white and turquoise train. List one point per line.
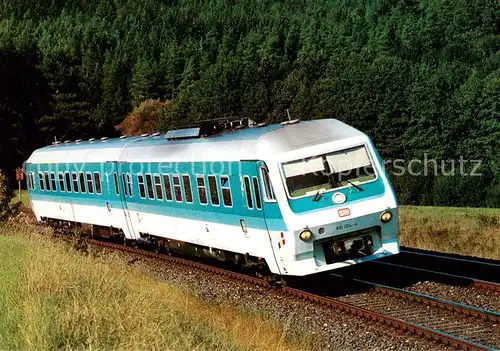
(299, 198)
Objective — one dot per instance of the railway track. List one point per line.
(442, 276)
(480, 333)
(473, 268)
(465, 322)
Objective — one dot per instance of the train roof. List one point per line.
(234, 145)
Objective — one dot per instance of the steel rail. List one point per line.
(477, 283)
(398, 324)
(441, 255)
(449, 258)
(428, 300)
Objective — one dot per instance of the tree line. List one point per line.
(419, 77)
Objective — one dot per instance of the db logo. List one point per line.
(344, 212)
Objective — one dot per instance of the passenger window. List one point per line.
(168, 188)
(177, 188)
(202, 190)
(187, 188)
(129, 184)
(124, 183)
(149, 182)
(268, 189)
(226, 191)
(97, 181)
(258, 203)
(248, 192)
(75, 182)
(81, 178)
(142, 190)
(61, 181)
(68, 181)
(90, 186)
(40, 179)
(47, 181)
(214, 192)
(117, 185)
(53, 181)
(159, 192)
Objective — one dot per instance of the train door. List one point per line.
(257, 208)
(122, 181)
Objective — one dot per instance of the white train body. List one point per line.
(279, 193)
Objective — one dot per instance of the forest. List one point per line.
(420, 77)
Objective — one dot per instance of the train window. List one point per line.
(67, 178)
(268, 188)
(129, 184)
(81, 179)
(187, 188)
(168, 188)
(202, 190)
(90, 186)
(117, 185)
(125, 191)
(248, 192)
(61, 182)
(214, 192)
(28, 180)
(40, 179)
(47, 181)
(149, 183)
(258, 203)
(226, 191)
(74, 177)
(97, 182)
(53, 181)
(142, 190)
(177, 188)
(159, 190)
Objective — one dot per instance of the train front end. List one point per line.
(340, 207)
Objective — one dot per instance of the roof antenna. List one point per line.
(288, 114)
(55, 139)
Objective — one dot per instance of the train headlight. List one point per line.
(386, 216)
(305, 235)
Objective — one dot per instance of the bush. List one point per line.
(6, 195)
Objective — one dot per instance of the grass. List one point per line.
(24, 198)
(52, 297)
(464, 231)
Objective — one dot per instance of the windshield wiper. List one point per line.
(318, 196)
(354, 185)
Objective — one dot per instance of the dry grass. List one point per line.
(464, 231)
(52, 297)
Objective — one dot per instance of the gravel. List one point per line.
(466, 295)
(327, 329)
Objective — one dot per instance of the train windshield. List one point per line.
(349, 167)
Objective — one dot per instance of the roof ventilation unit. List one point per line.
(145, 135)
(155, 134)
(56, 142)
(184, 133)
(91, 139)
(67, 142)
(78, 141)
(104, 138)
(123, 137)
(209, 127)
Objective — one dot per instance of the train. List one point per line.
(293, 198)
